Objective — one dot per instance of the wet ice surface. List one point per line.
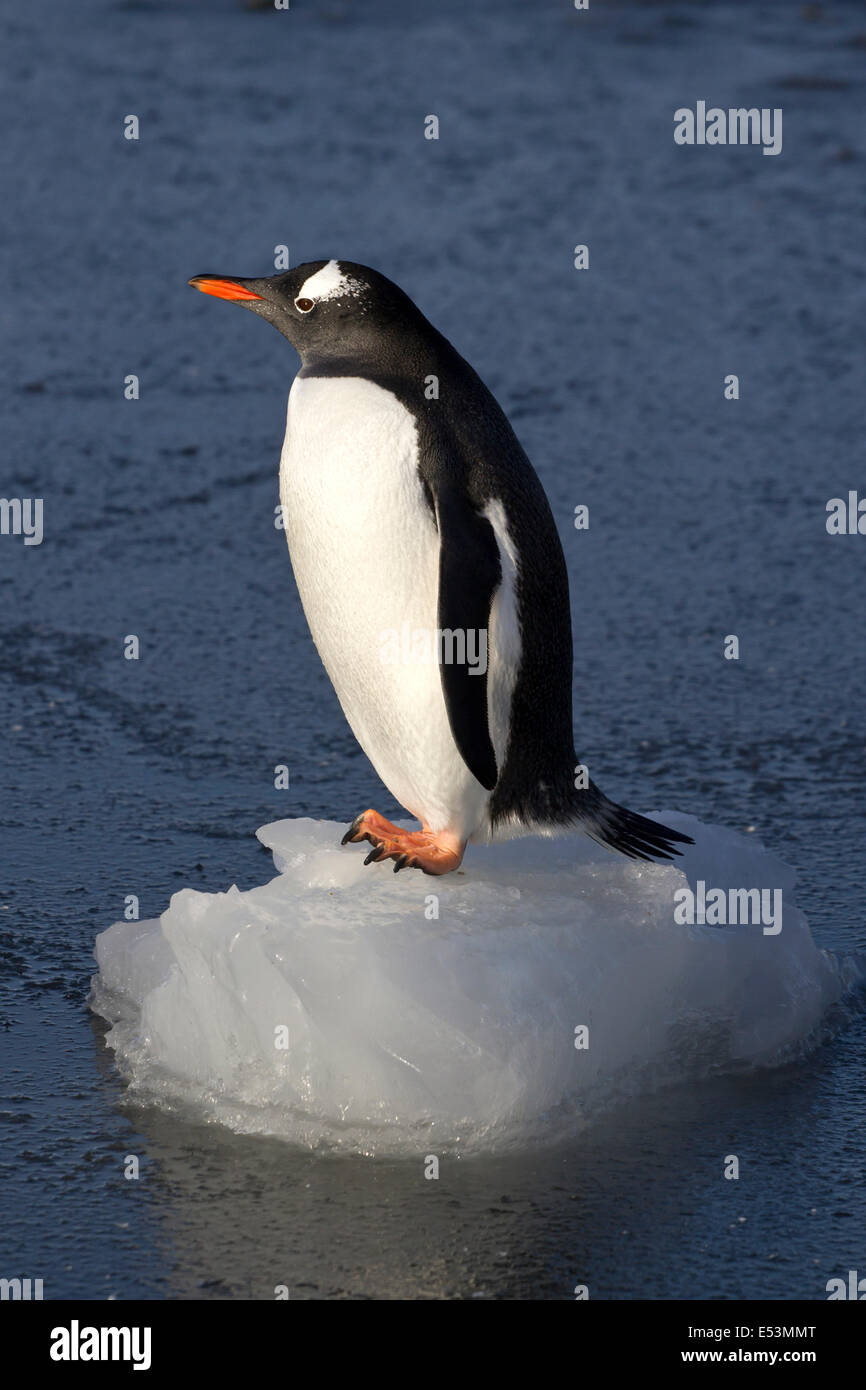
(707, 518)
(338, 1006)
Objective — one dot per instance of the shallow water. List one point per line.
(707, 518)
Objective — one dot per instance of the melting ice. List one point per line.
(344, 1006)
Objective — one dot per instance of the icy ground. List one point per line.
(330, 1006)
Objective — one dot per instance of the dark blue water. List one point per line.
(707, 519)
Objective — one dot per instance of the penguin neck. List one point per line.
(404, 357)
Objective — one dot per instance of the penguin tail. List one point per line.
(635, 836)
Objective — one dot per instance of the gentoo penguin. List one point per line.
(431, 575)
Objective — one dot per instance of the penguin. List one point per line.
(431, 575)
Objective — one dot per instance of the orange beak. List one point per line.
(222, 287)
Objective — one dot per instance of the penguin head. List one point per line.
(326, 309)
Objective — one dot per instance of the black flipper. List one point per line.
(469, 573)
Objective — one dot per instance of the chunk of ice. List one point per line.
(410, 1032)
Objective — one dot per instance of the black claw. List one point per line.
(350, 833)
(375, 853)
(401, 863)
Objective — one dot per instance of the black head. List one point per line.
(328, 310)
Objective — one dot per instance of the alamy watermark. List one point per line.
(736, 126)
(424, 646)
(77, 1343)
(20, 1289)
(846, 516)
(720, 907)
(851, 1288)
(22, 516)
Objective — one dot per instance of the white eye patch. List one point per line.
(328, 283)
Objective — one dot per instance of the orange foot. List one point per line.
(412, 849)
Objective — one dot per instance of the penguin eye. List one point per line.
(304, 305)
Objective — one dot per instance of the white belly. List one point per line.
(365, 552)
